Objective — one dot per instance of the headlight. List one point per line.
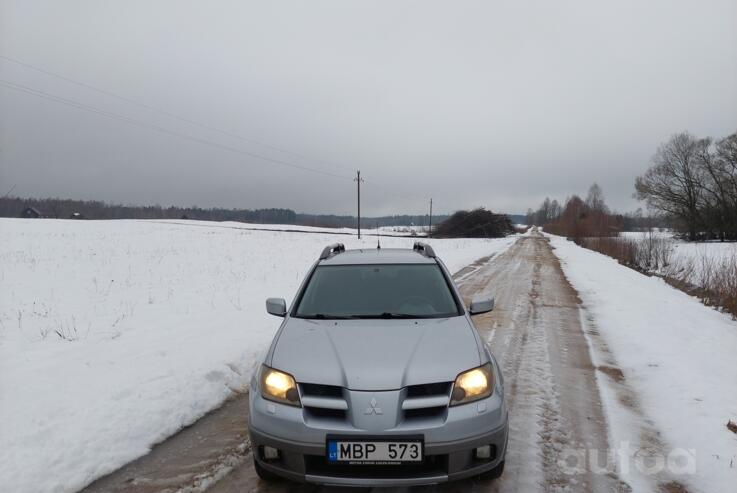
(473, 385)
(278, 386)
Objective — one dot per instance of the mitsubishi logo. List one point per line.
(373, 409)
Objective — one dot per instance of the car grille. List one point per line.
(428, 389)
(317, 390)
(324, 402)
(427, 402)
(424, 404)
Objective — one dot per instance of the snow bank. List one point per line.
(116, 334)
(678, 355)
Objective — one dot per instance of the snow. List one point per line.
(116, 334)
(638, 235)
(714, 250)
(690, 259)
(677, 354)
(369, 230)
(703, 256)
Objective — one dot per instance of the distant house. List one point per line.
(31, 213)
(76, 215)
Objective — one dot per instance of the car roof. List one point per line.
(378, 256)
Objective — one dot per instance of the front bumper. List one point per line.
(449, 441)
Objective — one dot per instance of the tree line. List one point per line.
(580, 218)
(593, 215)
(94, 209)
(689, 186)
(694, 181)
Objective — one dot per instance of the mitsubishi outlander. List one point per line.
(378, 377)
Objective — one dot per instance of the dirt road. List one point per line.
(536, 333)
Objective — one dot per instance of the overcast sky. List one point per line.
(488, 103)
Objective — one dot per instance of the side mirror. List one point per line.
(276, 306)
(481, 305)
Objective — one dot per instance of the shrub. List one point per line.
(477, 223)
(651, 254)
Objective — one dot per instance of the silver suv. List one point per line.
(377, 377)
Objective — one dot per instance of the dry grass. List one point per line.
(713, 280)
(651, 254)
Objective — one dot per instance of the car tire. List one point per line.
(495, 473)
(262, 473)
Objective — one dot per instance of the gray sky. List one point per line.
(494, 104)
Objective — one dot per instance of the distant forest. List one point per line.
(92, 209)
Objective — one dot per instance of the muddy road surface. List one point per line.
(537, 334)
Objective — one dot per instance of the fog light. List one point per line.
(483, 452)
(270, 453)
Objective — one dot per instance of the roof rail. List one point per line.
(424, 249)
(334, 248)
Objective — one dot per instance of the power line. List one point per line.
(406, 196)
(115, 116)
(159, 110)
(198, 124)
(10, 191)
(132, 121)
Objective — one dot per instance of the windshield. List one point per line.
(377, 291)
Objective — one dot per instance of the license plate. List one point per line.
(374, 451)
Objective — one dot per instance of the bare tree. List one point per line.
(722, 184)
(595, 199)
(674, 182)
(715, 205)
(530, 217)
(540, 217)
(555, 210)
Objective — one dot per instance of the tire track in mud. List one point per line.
(553, 433)
(189, 461)
(550, 382)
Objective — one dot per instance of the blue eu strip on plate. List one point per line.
(332, 451)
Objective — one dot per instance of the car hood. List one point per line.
(376, 354)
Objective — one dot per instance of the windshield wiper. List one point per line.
(323, 316)
(392, 315)
(375, 316)
(399, 315)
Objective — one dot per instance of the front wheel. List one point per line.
(493, 473)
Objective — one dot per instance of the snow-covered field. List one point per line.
(115, 334)
(658, 233)
(370, 230)
(678, 355)
(692, 260)
(699, 258)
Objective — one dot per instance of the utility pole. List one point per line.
(358, 181)
(429, 231)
